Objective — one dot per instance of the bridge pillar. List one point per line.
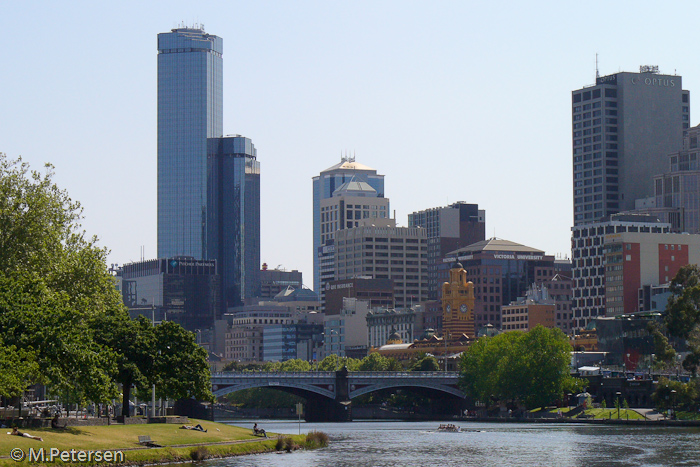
(322, 409)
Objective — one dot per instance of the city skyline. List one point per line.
(431, 97)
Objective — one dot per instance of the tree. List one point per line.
(377, 362)
(425, 362)
(52, 282)
(682, 318)
(181, 370)
(529, 368)
(18, 368)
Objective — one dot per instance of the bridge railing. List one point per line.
(277, 374)
(405, 374)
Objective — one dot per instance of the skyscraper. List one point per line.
(624, 127)
(449, 228)
(233, 216)
(324, 185)
(190, 76)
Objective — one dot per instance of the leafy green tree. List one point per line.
(52, 282)
(425, 362)
(526, 368)
(682, 318)
(18, 369)
(295, 365)
(181, 370)
(685, 397)
(334, 363)
(377, 362)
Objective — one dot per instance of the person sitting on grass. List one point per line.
(16, 432)
(259, 431)
(190, 427)
(55, 425)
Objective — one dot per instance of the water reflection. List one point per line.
(360, 444)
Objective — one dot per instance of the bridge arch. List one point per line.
(298, 388)
(399, 384)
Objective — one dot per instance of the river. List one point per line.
(382, 443)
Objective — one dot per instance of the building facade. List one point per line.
(233, 217)
(623, 127)
(501, 271)
(324, 186)
(190, 78)
(448, 228)
(396, 253)
(535, 308)
(274, 281)
(183, 290)
(678, 190)
(635, 259)
(292, 341)
(378, 292)
(588, 261)
(458, 304)
(383, 322)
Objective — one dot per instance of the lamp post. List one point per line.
(673, 404)
(618, 394)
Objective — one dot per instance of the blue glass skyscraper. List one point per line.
(233, 217)
(190, 76)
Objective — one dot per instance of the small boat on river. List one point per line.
(448, 428)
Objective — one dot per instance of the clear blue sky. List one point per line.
(449, 100)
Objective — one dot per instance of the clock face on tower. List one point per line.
(448, 308)
(463, 308)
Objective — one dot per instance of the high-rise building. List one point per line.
(386, 252)
(190, 76)
(233, 217)
(624, 127)
(368, 184)
(449, 228)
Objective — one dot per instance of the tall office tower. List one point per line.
(624, 127)
(233, 217)
(190, 75)
(324, 186)
(449, 228)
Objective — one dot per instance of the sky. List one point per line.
(450, 100)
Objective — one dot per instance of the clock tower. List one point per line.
(458, 304)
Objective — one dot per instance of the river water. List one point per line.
(382, 443)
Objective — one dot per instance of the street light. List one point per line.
(618, 394)
(673, 403)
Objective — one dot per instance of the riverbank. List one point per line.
(174, 444)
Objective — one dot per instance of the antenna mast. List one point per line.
(597, 75)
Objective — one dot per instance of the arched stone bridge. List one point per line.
(329, 394)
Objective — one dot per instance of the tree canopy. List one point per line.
(682, 318)
(528, 368)
(62, 321)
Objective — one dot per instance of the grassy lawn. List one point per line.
(625, 414)
(125, 437)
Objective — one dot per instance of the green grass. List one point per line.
(125, 437)
(625, 414)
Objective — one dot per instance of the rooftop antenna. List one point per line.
(597, 75)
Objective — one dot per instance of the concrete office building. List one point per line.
(348, 329)
(378, 292)
(274, 281)
(624, 126)
(324, 186)
(386, 252)
(190, 77)
(588, 258)
(233, 217)
(448, 228)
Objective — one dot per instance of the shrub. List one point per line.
(316, 439)
(199, 453)
(279, 445)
